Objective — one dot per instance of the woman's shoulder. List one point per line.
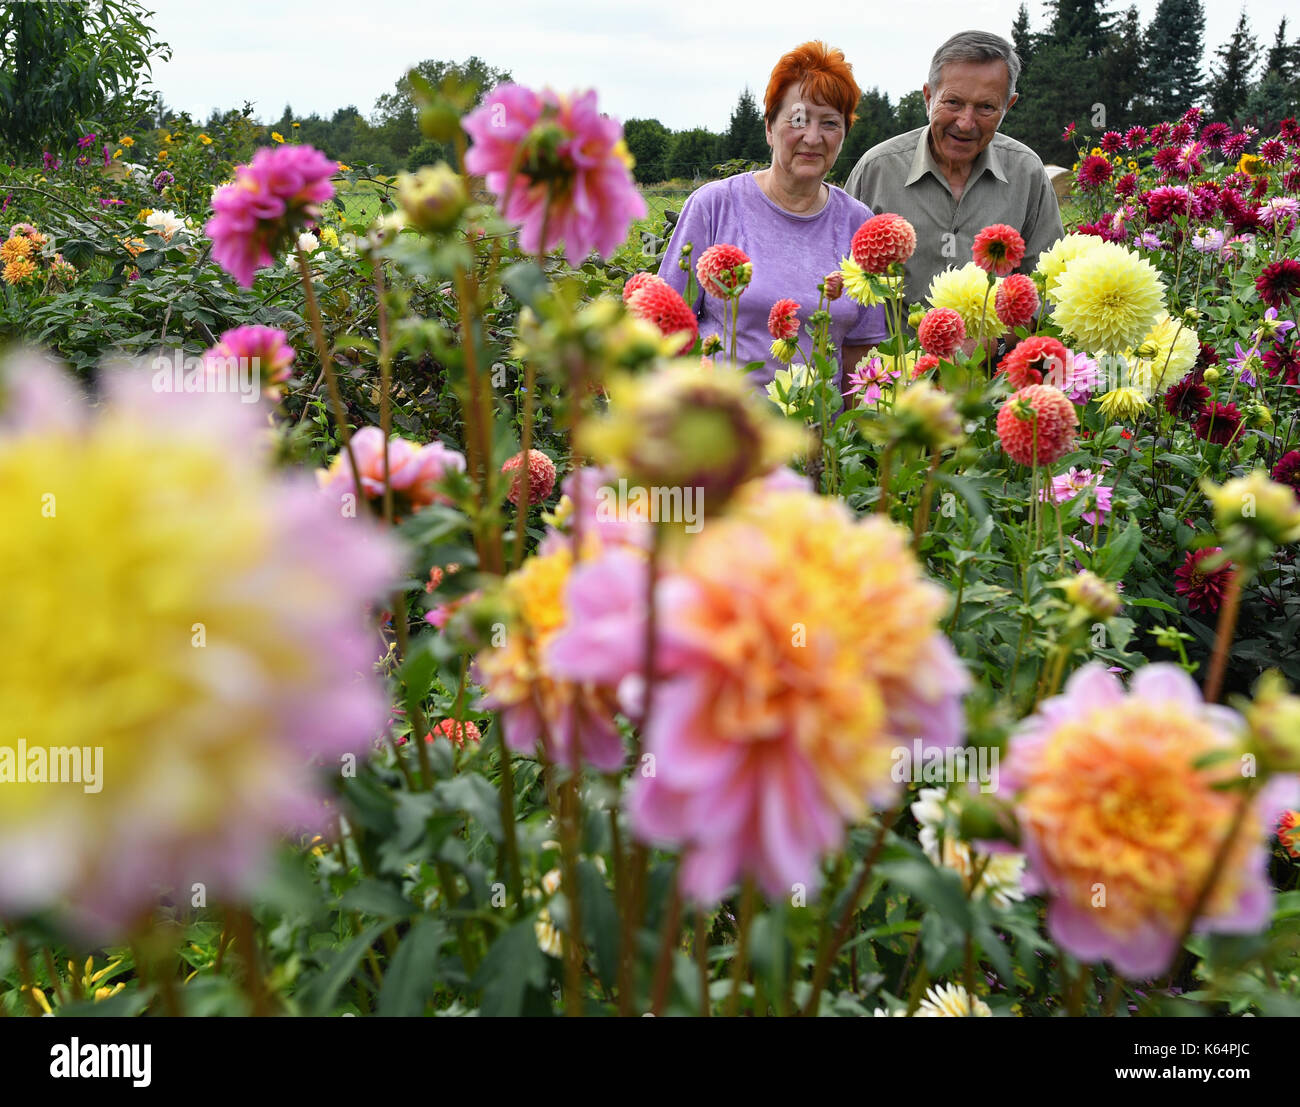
(715, 193)
(850, 207)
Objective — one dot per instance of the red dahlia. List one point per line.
(1218, 423)
(541, 476)
(1272, 151)
(923, 365)
(640, 280)
(882, 240)
(1187, 398)
(661, 304)
(1279, 282)
(724, 270)
(998, 249)
(1214, 135)
(456, 732)
(1287, 470)
(1094, 171)
(1037, 425)
(1035, 359)
(941, 332)
(783, 320)
(1202, 589)
(1017, 301)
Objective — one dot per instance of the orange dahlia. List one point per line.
(1036, 425)
(541, 476)
(659, 303)
(882, 240)
(998, 249)
(455, 731)
(1288, 832)
(923, 365)
(1017, 301)
(724, 270)
(941, 332)
(1034, 360)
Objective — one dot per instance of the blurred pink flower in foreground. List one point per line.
(567, 157)
(220, 648)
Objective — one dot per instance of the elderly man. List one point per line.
(957, 175)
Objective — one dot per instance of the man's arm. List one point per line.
(1044, 226)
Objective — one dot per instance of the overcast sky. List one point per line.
(683, 62)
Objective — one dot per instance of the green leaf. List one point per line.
(600, 920)
(475, 795)
(513, 964)
(1114, 559)
(374, 897)
(905, 866)
(410, 976)
(319, 995)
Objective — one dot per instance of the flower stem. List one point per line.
(1223, 638)
(672, 922)
(741, 960)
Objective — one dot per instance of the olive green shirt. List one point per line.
(1007, 184)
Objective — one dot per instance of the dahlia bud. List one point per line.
(1274, 719)
(834, 285)
(1191, 316)
(433, 198)
(1254, 507)
(1210, 375)
(927, 416)
(439, 121)
(1147, 351)
(1090, 594)
(712, 344)
(915, 316)
(1258, 415)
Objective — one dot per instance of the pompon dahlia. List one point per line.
(1111, 801)
(661, 304)
(1287, 471)
(1279, 281)
(1219, 423)
(1017, 301)
(1052, 261)
(998, 249)
(264, 350)
(456, 732)
(641, 280)
(924, 364)
(414, 471)
(1201, 586)
(941, 332)
(766, 749)
(1187, 397)
(270, 199)
(966, 291)
(783, 320)
(222, 645)
(1035, 360)
(541, 476)
(571, 169)
(1036, 425)
(724, 270)
(883, 240)
(1109, 298)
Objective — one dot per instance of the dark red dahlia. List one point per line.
(1202, 589)
(1287, 470)
(1135, 138)
(1289, 130)
(1259, 188)
(1272, 151)
(1284, 360)
(1126, 185)
(1180, 133)
(1205, 199)
(1192, 117)
(1214, 135)
(1279, 282)
(1235, 145)
(1219, 423)
(1160, 134)
(1291, 180)
(1166, 201)
(1206, 356)
(1112, 142)
(1166, 159)
(1237, 210)
(1186, 399)
(1094, 171)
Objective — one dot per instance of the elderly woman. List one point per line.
(793, 225)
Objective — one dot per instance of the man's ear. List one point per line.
(1014, 97)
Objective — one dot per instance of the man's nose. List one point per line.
(966, 118)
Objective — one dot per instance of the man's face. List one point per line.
(966, 109)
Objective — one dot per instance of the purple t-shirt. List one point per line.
(792, 254)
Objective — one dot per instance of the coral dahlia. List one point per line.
(541, 476)
(783, 320)
(659, 303)
(941, 332)
(1036, 359)
(998, 249)
(1036, 425)
(1017, 301)
(724, 270)
(883, 240)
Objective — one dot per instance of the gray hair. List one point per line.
(976, 46)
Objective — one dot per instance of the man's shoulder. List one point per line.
(900, 147)
(1015, 151)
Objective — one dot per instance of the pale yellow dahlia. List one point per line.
(859, 286)
(1052, 262)
(951, 1001)
(1165, 355)
(1122, 403)
(967, 292)
(1109, 298)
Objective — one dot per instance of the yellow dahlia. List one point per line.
(20, 246)
(1122, 403)
(860, 286)
(18, 270)
(792, 382)
(1052, 262)
(1165, 355)
(1109, 298)
(967, 292)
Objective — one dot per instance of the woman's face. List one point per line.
(805, 138)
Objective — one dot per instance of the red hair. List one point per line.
(822, 72)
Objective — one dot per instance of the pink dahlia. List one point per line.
(998, 249)
(1036, 425)
(281, 188)
(541, 476)
(1079, 482)
(659, 303)
(414, 470)
(783, 320)
(1091, 773)
(1035, 360)
(883, 240)
(1202, 588)
(763, 751)
(556, 163)
(941, 332)
(724, 270)
(868, 377)
(1016, 301)
(265, 350)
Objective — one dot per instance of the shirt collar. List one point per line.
(923, 162)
